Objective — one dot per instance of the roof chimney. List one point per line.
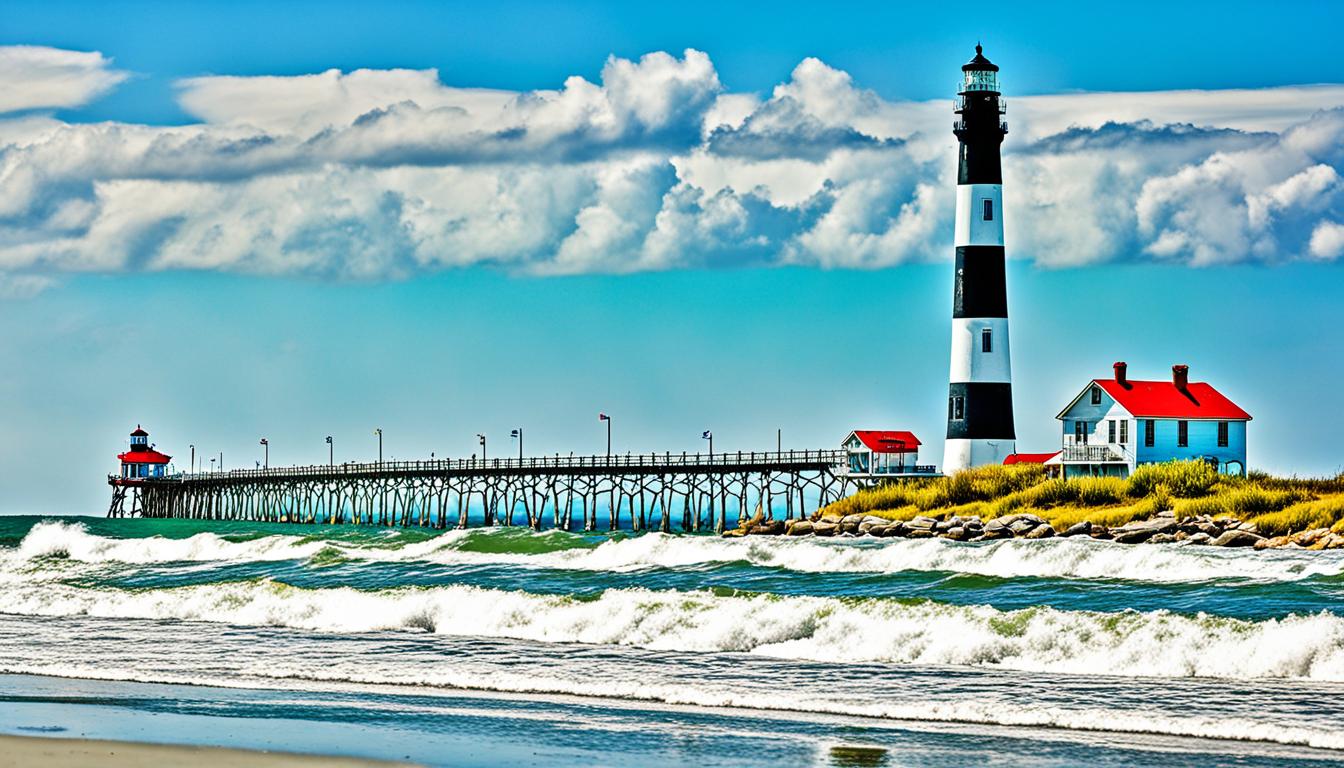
(1180, 376)
(1120, 371)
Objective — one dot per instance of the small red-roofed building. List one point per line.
(1051, 461)
(142, 461)
(881, 453)
(1116, 424)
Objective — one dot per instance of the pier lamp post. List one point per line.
(481, 438)
(606, 418)
(193, 458)
(518, 433)
(379, 433)
(212, 465)
(779, 440)
(221, 461)
(331, 453)
(708, 435)
(265, 457)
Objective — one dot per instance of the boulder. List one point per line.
(1167, 513)
(1329, 541)
(767, 528)
(1236, 538)
(1042, 531)
(735, 533)
(823, 528)
(1022, 526)
(1307, 538)
(919, 533)
(850, 523)
(1100, 532)
(1198, 538)
(1163, 538)
(1142, 530)
(831, 518)
(993, 531)
(799, 528)
(894, 529)
(1276, 542)
(873, 530)
(870, 522)
(1078, 529)
(956, 533)
(1248, 527)
(1133, 535)
(921, 522)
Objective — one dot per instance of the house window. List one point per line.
(956, 408)
(1080, 431)
(1149, 433)
(1096, 395)
(986, 340)
(1182, 434)
(1222, 434)
(987, 206)
(1124, 432)
(1110, 430)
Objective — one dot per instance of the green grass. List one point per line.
(1277, 505)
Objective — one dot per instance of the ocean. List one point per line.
(511, 647)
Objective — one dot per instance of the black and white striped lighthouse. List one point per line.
(980, 397)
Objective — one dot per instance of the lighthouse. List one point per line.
(980, 392)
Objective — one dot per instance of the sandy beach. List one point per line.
(22, 751)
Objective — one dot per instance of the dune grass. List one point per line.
(1188, 488)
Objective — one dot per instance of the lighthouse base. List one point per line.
(962, 453)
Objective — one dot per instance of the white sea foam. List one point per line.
(1159, 643)
(1059, 558)
(992, 710)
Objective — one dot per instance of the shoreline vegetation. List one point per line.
(1183, 501)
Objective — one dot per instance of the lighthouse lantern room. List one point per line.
(142, 461)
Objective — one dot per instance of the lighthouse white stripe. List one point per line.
(972, 228)
(962, 453)
(969, 362)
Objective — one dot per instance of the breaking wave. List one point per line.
(1153, 644)
(1058, 558)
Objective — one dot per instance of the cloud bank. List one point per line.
(376, 174)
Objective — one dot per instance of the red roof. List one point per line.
(139, 432)
(886, 441)
(147, 456)
(1162, 400)
(1029, 458)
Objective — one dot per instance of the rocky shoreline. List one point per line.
(1165, 528)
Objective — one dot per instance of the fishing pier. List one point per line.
(650, 491)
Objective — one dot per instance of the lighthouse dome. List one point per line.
(979, 63)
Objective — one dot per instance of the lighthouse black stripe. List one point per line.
(987, 411)
(979, 162)
(979, 290)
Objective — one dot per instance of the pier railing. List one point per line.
(601, 463)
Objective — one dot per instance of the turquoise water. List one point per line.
(671, 649)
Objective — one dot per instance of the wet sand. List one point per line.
(24, 751)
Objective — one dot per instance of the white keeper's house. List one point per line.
(1115, 424)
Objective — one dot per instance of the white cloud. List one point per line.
(23, 286)
(386, 173)
(35, 77)
(1327, 240)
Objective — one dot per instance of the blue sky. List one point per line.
(201, 232)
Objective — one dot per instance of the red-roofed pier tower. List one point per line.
(138, 464)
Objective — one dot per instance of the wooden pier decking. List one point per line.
(697, 492)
